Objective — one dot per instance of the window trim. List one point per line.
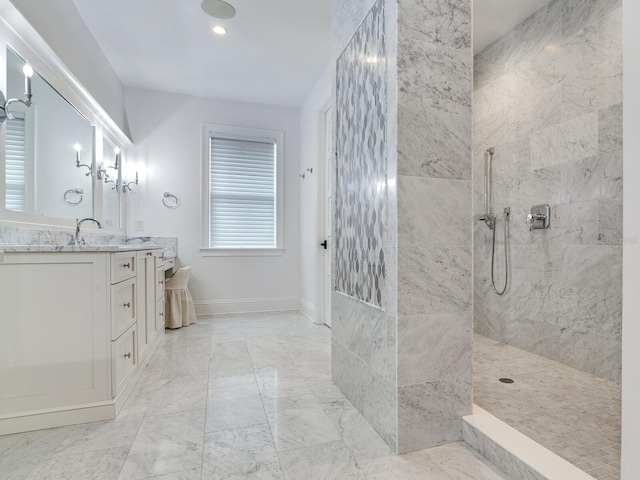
(241, 133)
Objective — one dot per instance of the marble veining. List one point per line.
(557, 133)
(14, 239)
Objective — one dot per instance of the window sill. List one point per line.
(241, 252)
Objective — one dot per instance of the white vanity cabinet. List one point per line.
(70, 330)
(148, 264)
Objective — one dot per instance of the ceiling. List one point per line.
(273, 54)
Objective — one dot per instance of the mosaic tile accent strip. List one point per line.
(361, 97)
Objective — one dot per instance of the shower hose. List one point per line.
(507, 211)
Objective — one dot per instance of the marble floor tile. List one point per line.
(92, 437)
(166, 444)
(329, 461)
(96, 465)
(169, 395)
(191, 474)
(281, 381)
(203, 411)
(234, 407)
(299, 422)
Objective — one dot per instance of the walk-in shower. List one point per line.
(491, 221)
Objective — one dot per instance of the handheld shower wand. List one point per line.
(490, 220)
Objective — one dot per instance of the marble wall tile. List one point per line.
(577, 14)
(430, 414)
(441, 23)
(433, 347)
(367, 332)
(380, 407)
(573, 140)
(535, 33)
(610, 222)
(433, 77)
(490, 63)
(432, 143)
(610, 129)
(434, 212)
(434, 279)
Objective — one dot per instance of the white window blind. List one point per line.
(242, 193)
(16, 165)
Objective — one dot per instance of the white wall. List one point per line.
(631, 252)
(61, 26)
(310, 237)
(166, 130)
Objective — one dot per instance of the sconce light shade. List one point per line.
(27, 70)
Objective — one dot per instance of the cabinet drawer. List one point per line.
(123, 307)
(159, 283)
(124, 360)
(169, 263)
(160, 315)
(123, 266)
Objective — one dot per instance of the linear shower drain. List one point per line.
(506, 380)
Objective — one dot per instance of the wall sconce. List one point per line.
(27, 70)
(126, 186)
(102, 170)
(78, 148)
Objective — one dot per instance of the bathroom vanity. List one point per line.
(77, 326)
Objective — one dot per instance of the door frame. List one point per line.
(321, 196)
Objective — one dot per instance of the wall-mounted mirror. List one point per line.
(49, 151)
(109, 175)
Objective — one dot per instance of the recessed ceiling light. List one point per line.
(219, 30)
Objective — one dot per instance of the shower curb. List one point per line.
(514, 453)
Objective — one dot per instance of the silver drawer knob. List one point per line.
(127, 305)
(127, 355)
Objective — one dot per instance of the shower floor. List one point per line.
(573, 414)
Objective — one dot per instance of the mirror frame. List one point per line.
(22, 38)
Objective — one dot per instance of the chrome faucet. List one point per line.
(75, 241)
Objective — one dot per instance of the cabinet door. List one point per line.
(55, 331)
(146, 315)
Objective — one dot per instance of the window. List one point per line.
(242, 170)
(16, 165)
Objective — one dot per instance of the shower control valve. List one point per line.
(539, 218)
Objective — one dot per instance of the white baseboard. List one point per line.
(308, 309)
(246, 305)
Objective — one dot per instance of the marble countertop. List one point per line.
(78, 248)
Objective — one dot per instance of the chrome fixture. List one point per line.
(310, 170)
(489, 220)
(539, 218)
(77, 147)
(102, 172)
(27, 70)
(75, 191)
(170, 201)
(76, 241)
(507, 212)
(126, 186)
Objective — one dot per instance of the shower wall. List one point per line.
(402, 305)
(548, 97)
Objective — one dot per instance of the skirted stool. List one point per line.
(179, 311)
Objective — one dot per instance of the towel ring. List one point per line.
(170, 201)
(76, 191)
